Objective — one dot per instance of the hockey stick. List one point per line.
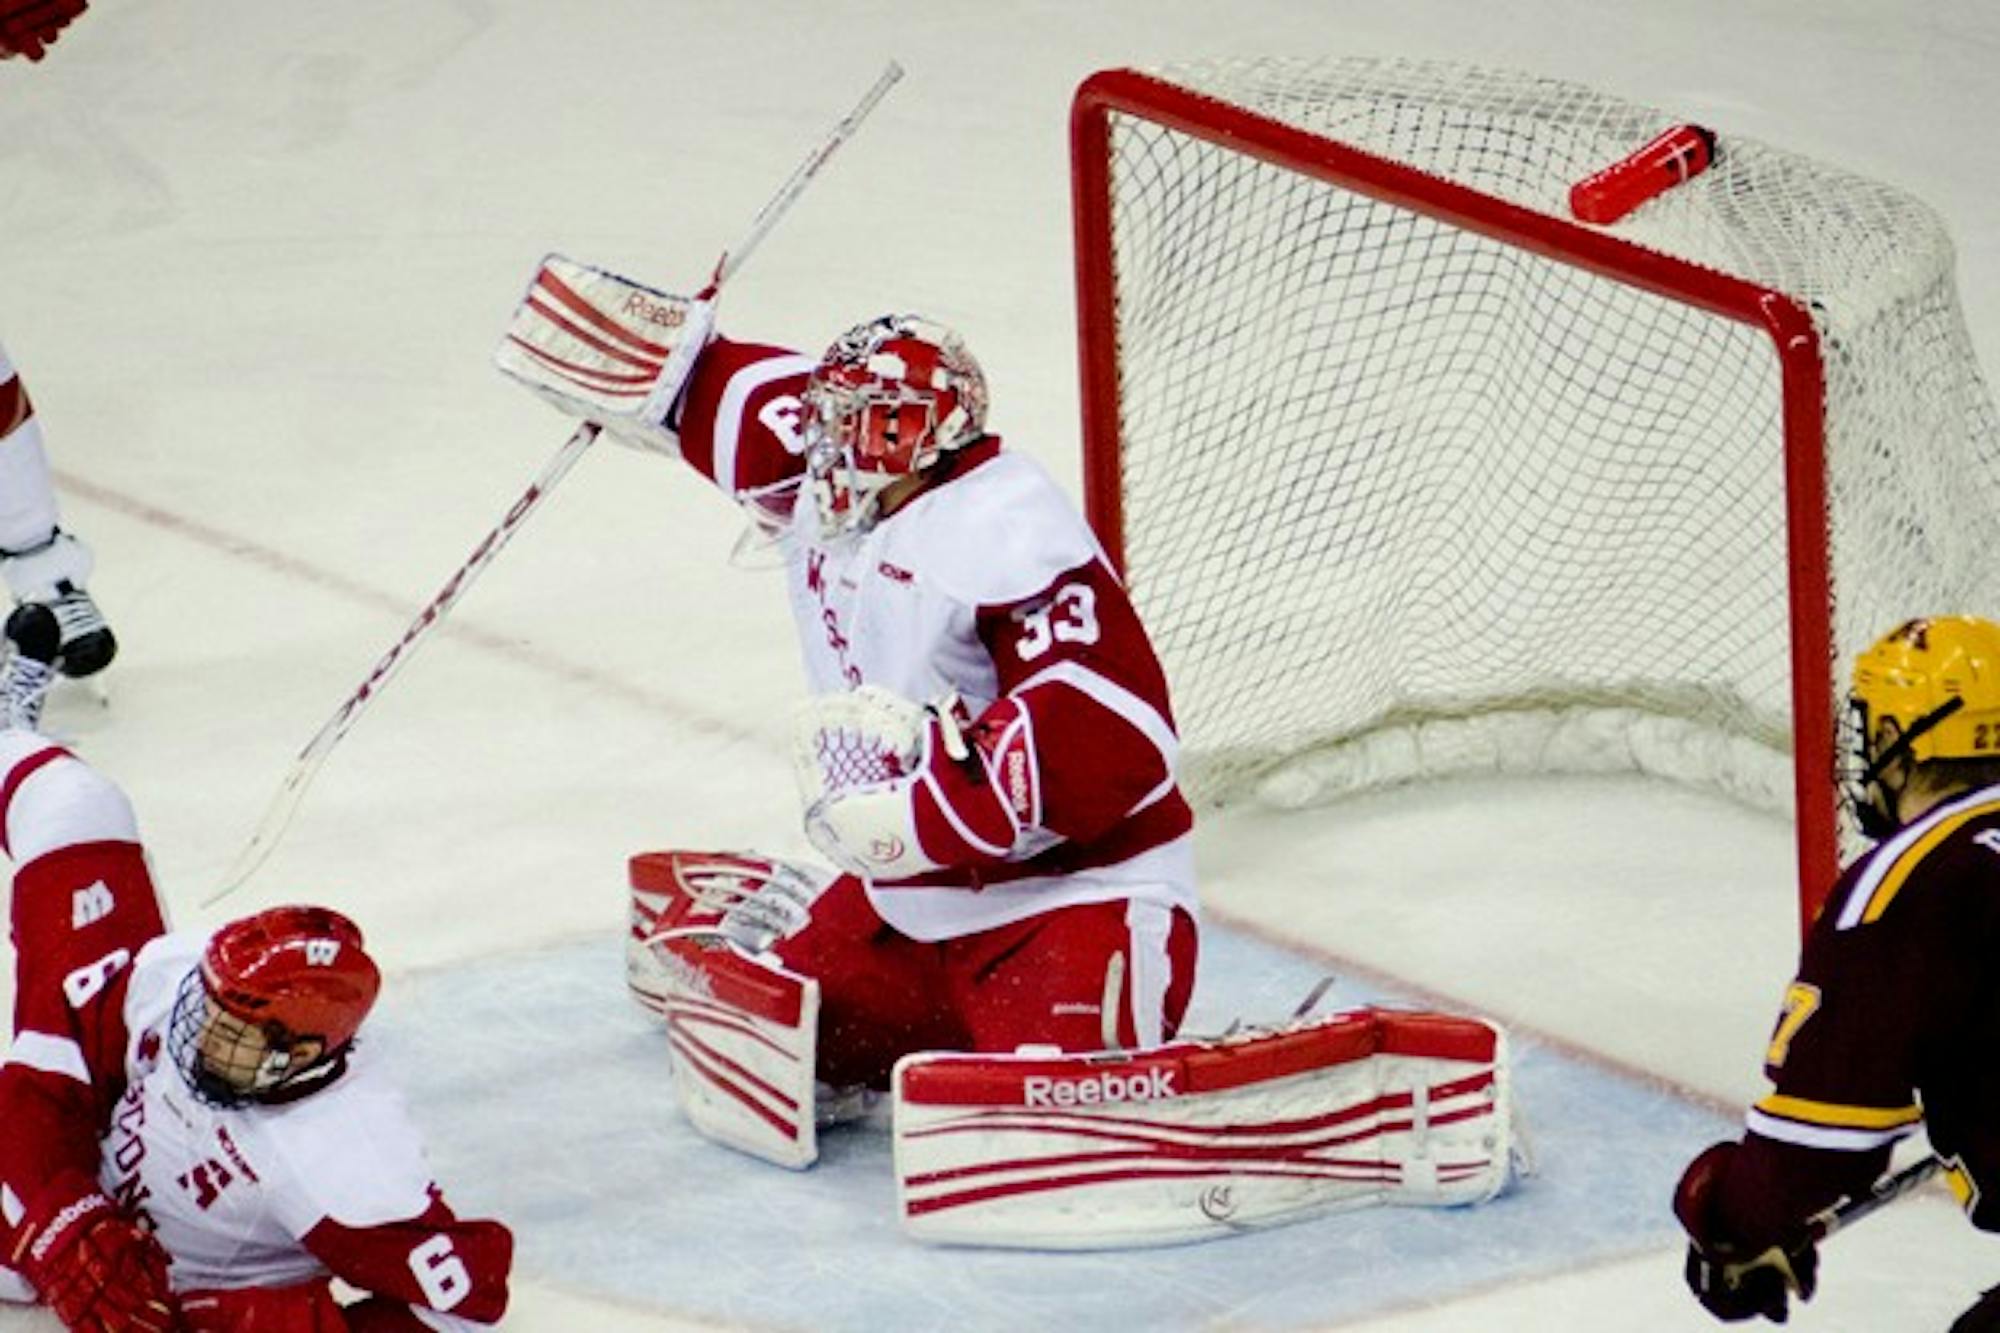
(1836, 1216)
(781, 202)
(1299, 1011)
(1881, 1194)
(284, 804)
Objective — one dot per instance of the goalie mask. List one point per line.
(1927, 691)
(273, 1005)
(888, 400)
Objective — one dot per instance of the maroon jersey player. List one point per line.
(194, 1139)
(1889, 1024)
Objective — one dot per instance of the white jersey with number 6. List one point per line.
(271, 1195)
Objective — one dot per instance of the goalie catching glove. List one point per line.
(91, 1263)
(894, 789)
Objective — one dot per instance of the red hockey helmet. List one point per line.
(276, 994)
(301, 968)
(889, 398)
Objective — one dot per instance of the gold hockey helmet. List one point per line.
(1938, 680)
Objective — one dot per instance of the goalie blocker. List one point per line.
(607, 350)
(1204, 1138)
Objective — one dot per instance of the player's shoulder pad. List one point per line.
(1955, 844)
(349, 1151)
(157, 973)
(997, 534)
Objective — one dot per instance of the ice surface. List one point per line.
(254, 259)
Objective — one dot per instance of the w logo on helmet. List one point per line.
(322, 953)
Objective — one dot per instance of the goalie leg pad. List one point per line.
(744, 1032)
(1202, 1138)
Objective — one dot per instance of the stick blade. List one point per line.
(277, 818)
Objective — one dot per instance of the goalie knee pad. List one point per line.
(755, 901)
(1203, 1138)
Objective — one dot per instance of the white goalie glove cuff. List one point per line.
(872, 834)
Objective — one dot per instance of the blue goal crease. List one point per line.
(545, 1098)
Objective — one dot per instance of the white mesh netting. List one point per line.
(1405, 499)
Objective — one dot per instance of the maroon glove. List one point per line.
(1731, 1281)
(91, 1263)
(29, 27)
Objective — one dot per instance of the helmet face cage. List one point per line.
(225, 1059)
(276, 996)
(888, 399)
(1866, 799)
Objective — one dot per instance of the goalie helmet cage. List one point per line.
(1409, 473)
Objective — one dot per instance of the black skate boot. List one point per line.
(35, 637)
(88, 644)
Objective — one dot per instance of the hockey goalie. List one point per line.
(988, 763)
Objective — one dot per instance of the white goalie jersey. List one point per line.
(991, 588)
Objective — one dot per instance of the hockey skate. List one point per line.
(53, 574)
(88, 644)
(34, 639)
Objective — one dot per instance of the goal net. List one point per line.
(1410, 473)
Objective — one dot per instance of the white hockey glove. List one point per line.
(893, 789)
(605, 349)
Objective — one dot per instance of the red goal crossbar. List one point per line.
(1107, 96)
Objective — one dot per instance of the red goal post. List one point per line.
(1411, 473)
